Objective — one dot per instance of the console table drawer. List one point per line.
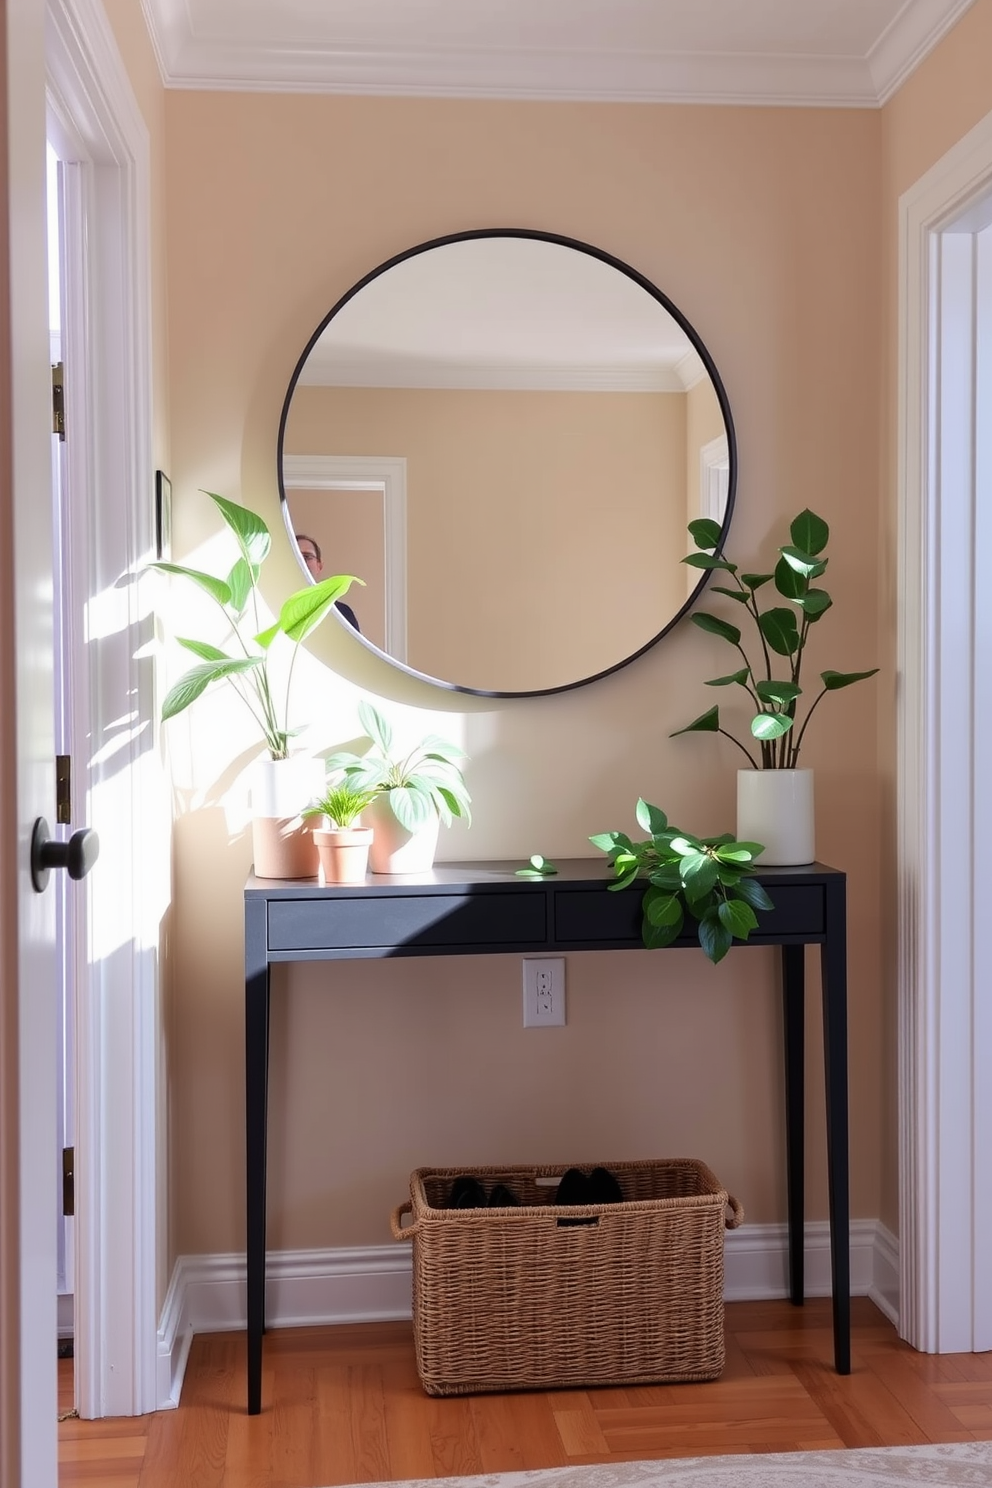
(589, 915)
(438, 920)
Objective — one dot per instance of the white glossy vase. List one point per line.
(282, 842)
(776, 807)
(394, 849)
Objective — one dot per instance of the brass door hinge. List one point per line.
(68, 1180)
(58, 399)
(63, 790)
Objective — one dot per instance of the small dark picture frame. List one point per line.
(163, 516)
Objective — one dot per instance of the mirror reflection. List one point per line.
(505, 435)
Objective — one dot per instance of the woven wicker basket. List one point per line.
(545, 1296)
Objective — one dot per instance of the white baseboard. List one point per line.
(66, 1318)
(207, 1294)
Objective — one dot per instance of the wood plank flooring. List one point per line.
(344, 1405)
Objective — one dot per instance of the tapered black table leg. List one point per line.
(834, 965)
(256, 1108)
(794, 1020)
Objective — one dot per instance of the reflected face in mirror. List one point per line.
(505, 434)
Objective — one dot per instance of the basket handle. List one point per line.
(736, 1217)
(401, 1231)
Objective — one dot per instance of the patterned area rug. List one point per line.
(957, 1465)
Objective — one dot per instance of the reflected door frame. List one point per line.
(384, 475)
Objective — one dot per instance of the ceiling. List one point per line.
(835, 53)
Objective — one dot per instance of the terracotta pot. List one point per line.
(282, 842)
(394, 849)
(343, 853)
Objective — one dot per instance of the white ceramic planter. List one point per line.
(776, 807)
(282, 842)
(394, 849)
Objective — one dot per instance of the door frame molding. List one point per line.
(119, 1097)
(944, 1030)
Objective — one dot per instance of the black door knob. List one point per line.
(76, 856)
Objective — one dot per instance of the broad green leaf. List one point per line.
(814, 603)
(606, 841)
(833, 681)
(241, 581)
(216, 588)
(656, 937)
(458, 805)
(705, 560)
(778, 692)
(780, 630)
(770, 725)
(755, 581)
(686, 846)
(804, 563)
(666, 877)
(741, 595)
(737, 917)
(789, 583)
(376, 726)
(739, 677)
(623, 882)
(716, 626)
(651, 818)
(196, 681)
(720, 841)
(706, 723)
(661, 908)
(714, 937)
(304, 610)
(699, 874)
(752, 891)
(411, 808)
(809, 532)
(247, 526)
(736, 852)
(705, 533)
(204, 650)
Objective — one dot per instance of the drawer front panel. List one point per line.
(585, 916)
(441, 920)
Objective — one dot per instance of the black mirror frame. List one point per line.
(651, 289)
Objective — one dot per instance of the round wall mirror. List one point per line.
(505, 434)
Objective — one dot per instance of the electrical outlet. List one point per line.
(544, 992)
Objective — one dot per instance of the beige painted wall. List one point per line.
(764, 227)
(946, 97)
(520, 505)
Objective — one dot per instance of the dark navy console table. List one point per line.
(482, 909)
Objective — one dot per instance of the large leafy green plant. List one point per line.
(417, 784)
(782, 632)
(237, 595)
(708, 879)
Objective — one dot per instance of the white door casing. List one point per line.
(118, 786)
(944, 727)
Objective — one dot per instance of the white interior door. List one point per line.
(28, 1399)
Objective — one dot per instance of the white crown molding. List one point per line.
(917, 29)
(502, 376)
(207, 1293)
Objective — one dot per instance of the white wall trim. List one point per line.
(944, 1042)
(385, 474)
(118, 783)
(310, 1288)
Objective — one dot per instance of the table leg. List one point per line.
(834, 970)
(794, 1019)
(256, 1108)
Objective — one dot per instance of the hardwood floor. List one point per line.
(344, 1405)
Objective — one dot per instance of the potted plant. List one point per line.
(342, 843)
(774, 796)
(415, 791)
(708, 879)
(283, 847)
